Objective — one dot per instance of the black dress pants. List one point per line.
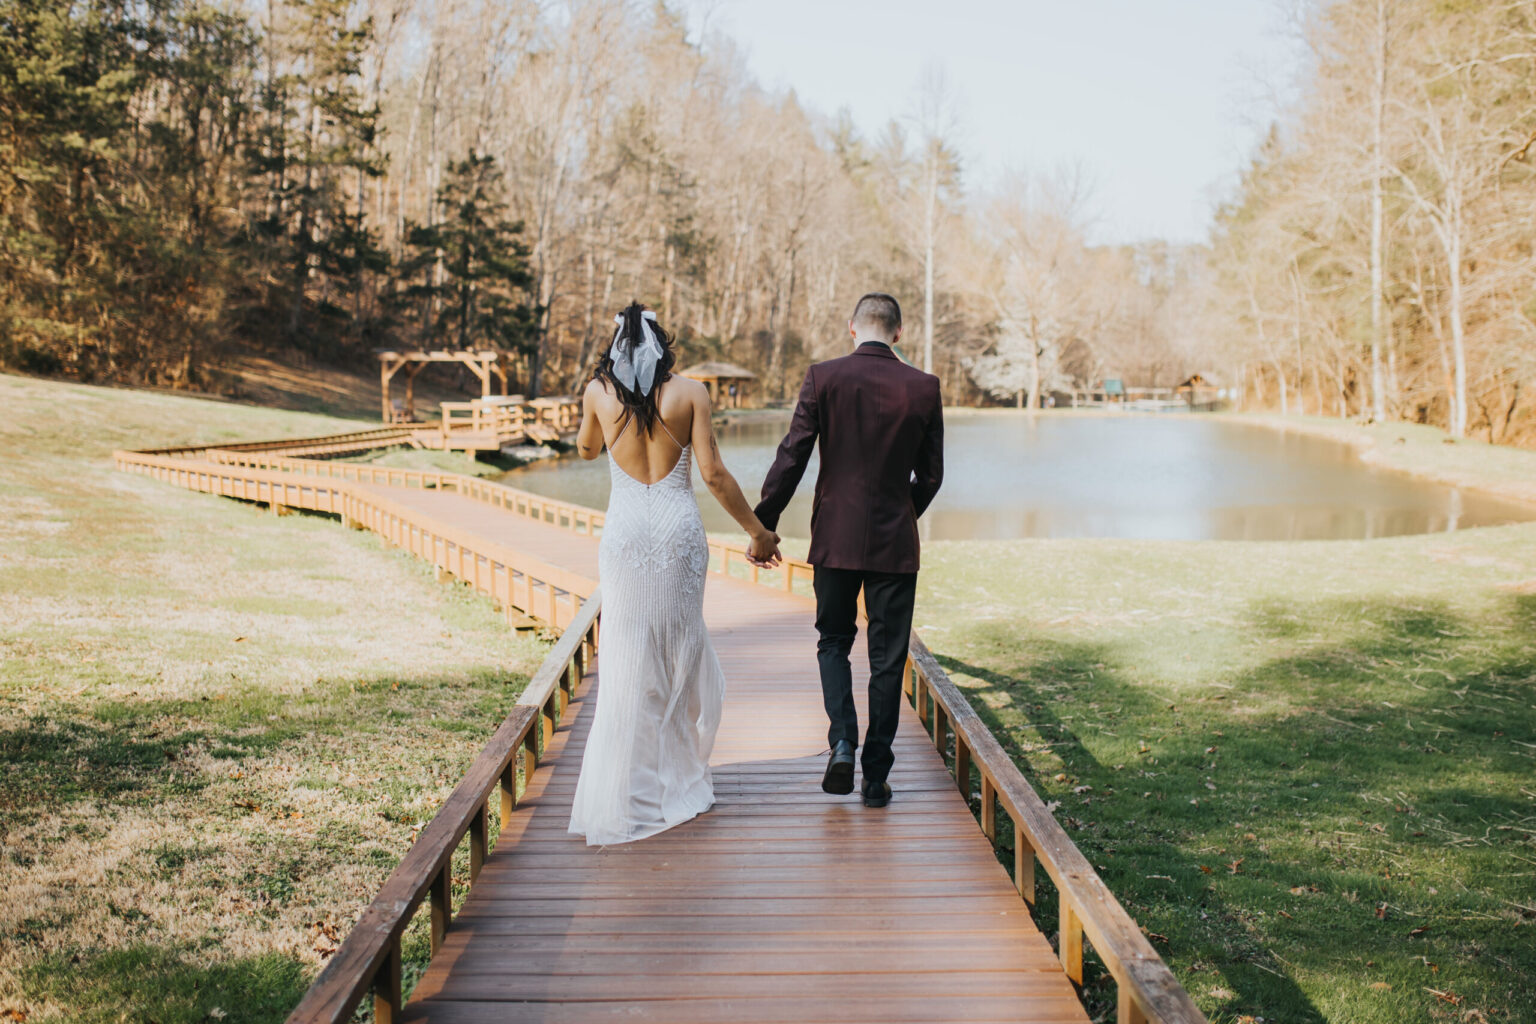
(888, 598)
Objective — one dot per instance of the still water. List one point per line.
(1109, 476)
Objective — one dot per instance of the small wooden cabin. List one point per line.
(729, 385)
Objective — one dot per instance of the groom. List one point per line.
(881, 426)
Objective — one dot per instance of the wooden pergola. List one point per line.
(727, 382)
(481, 362)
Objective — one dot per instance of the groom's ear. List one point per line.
(851, 332)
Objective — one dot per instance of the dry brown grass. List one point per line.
(219, 730)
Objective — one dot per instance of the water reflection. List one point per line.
(1136, 477)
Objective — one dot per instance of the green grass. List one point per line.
(1306, 769)
(219, 730)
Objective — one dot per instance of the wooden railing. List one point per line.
(369, 958)
(523, 503)
(479, 418)
(508, 420)
(333, 444)
(512, 577)
(1147, 989)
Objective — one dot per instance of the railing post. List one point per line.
(479, 840)
(1127, 1010)
(1070, 941)
(531, 745)
(963, 767)
(442, 904)
(387, 1003)
(1023, 864)
(988, 806)
(509, 790)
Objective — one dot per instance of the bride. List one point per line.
(646, 764)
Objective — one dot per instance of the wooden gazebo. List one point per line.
(481, 362)
(727, 382)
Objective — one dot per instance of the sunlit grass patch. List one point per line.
(220, 730)
(1306, 769)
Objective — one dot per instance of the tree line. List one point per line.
(313, 179)
(1378, 259)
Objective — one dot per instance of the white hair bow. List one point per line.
(635, 364)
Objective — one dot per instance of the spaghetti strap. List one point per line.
(668, 430)
(628, 419)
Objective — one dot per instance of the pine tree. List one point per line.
(467, 274)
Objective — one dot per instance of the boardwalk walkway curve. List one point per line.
(781, 904)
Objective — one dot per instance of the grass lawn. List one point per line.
(219, 731)
(1308, 769)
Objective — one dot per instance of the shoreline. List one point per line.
(1419, 451)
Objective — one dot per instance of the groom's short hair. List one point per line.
(880, 311)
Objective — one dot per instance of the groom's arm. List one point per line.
(928, 474)
(794, 453)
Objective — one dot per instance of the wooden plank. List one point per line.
(787, 1007)
(835, 987)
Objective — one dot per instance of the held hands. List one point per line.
(763, 550)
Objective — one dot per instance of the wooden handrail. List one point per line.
(1147, 988)
(369, 958)
(511, 576)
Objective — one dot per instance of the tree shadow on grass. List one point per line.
(167, 985)
(1357, 764)
(51, 761)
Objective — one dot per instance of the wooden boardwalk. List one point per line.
(781, 904)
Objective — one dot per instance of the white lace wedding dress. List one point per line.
(660, 688)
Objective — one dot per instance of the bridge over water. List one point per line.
(781, 904)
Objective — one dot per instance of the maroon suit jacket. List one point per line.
(881, 427)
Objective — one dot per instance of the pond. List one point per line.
(1181, 478)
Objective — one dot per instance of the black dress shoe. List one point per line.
(876, 797)
(839, 777)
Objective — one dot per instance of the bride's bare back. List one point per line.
(648, 458)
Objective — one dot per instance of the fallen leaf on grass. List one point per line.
(1444, 997)
(1205, 869)
(1381, 912)
(239, 639)
(248, 805)
(1381, 986)
(326, 941)
(1420, 930)
(1236, 865)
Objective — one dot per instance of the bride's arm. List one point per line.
(589, 437)
(765, 543)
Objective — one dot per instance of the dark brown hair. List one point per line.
(641, 407)
(878, 310)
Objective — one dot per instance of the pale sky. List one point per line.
(1158, 102)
